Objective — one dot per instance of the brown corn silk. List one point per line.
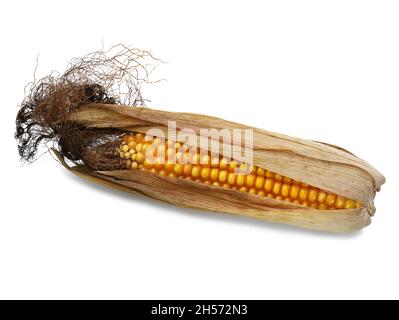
(321, 165)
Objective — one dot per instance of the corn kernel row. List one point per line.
(186, 163)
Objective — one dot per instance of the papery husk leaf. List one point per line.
(319, 164)
(189, 194)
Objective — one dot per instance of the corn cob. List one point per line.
(221, 172)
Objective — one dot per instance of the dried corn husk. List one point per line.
(321, 165)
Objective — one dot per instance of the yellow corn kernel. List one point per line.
(259, 182)
(339, 203)
(322, 206)
(252, 191)
(287, 180)
(303, 194)
(350, 204)
(269, 174)
(125, 148)
(135, 165)
(250, 180)
(240, 180)
(260, 172)
(223, 165)
(138, 147)
(223, 176)
(330, 199)
(178, 169)
(205, 172)
(285, 190)
(231, 178)
(313, 193)
(321, 197)
(268, 185)
(139, 157)
(277, 187)
(294, 192)
(187, 169)
(195, 172)
(233, 166)
(214, 174)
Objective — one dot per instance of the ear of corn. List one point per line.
(293, 181)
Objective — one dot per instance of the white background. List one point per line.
(323, 70)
